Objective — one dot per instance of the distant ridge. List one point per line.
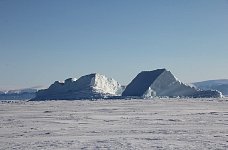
(19, 94)
(220, 85)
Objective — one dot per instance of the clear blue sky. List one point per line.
(46, 40)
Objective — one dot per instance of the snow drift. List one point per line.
(90, 86)
(161, 82)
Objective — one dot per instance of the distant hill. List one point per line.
(220, 85)
(19, 94)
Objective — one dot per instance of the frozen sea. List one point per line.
(114, 124)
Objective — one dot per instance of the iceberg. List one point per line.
(163, 83)
(92, 86)
(156, 83)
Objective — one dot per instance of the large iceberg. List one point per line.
(161, 82)
(90, 86)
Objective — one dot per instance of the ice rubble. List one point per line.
(161, 82)
(90, 86)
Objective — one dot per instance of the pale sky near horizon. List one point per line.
(46, 40)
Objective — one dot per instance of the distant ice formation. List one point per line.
(90, 86)
(220, 85)
(20, 94)
(161, 82)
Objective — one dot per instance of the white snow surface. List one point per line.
(114, 124)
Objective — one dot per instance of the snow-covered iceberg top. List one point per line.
(86, 87)
(103, 84)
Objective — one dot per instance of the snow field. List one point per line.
(114, 124)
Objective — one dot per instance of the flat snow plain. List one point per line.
(115, 124)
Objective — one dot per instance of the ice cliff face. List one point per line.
(161, 82)
(102, 84)
(86, 87)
